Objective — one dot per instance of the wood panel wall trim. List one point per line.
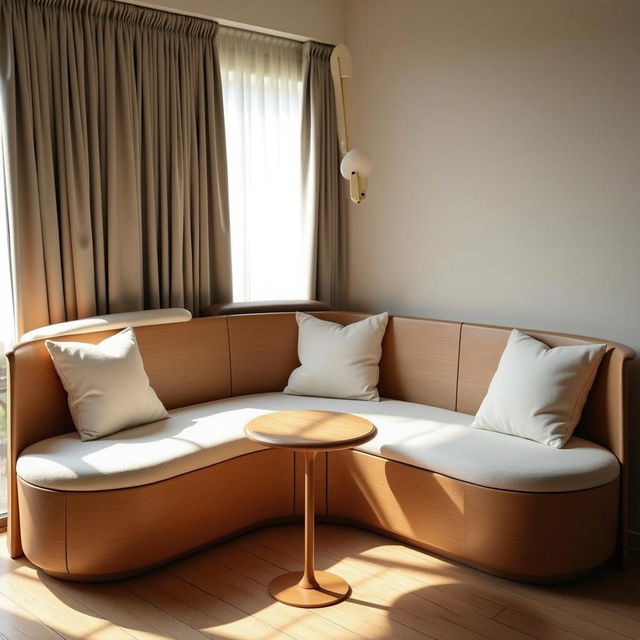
(420, 361)
(263, 351)
(231, 393)
(458, 368)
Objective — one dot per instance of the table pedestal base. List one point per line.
(330, 589)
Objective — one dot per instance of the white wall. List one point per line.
(321, 20)
(506, 189)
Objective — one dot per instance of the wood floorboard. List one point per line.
(251, 596)
(481, 590)
(199, 609)
(438, 617)
(612, 600)
(366, 619)
(60, 606)
(398, 593)
(17, 623)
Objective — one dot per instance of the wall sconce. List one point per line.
(356, 164)
(356, 167)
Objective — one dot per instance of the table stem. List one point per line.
(308, 580)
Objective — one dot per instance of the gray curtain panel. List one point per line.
(324, 198)
(114, 136)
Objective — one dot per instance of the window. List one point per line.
(3, 434)
(6, 326)
(262, 88)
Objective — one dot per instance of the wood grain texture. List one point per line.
(420, 361)
(17, 622)
(264, 348)
(603, 421)
(604, 414)
(209, 504)
(43, 526)
(310, 430)
(399, 593)
(480, 351)
(540, 535)
(309, 589)
(321, 483)
(395, 599)
(397, 498)
(604, 418)
(264, 352)
(527, 536)
(111, 533)
(187, 363)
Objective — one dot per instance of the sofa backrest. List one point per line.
(444, 364)
(435, 362)
(603, 418)
(419, 357)
(187, 363)
(420, 361)
(264, 349)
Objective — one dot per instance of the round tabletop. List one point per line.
(310, 430)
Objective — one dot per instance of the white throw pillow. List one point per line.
(106, 384)
(337, 361)
(539, 392)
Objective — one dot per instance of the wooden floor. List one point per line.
(398, 593)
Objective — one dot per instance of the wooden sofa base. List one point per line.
(130, 573)
(105, 535)
(418, 544)
(533, 537)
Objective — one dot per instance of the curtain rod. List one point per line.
(223, 21)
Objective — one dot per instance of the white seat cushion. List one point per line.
(419, 435)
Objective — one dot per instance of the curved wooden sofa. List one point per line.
(97, 535)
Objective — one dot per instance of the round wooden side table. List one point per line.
(309, 432)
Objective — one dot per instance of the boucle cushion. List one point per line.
(539, 392)
(337, 361)
(106, 384)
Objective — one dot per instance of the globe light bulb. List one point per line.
(356, 161)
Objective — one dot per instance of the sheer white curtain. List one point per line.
(7, 303)
(262, 90)
(7, 314)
